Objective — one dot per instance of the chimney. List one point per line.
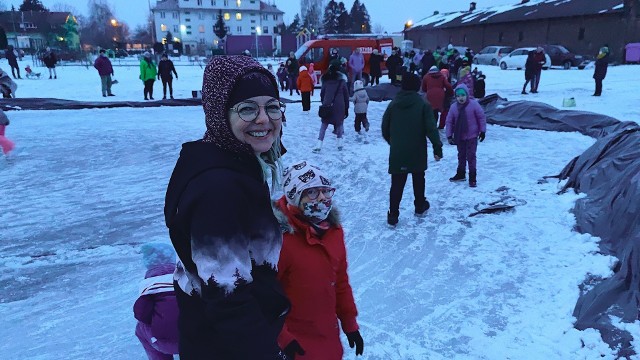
(472, 6)
(436, 12)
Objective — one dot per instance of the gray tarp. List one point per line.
(609, 173)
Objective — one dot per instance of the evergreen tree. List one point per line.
(366, 20)
(32, 5)
(330, 20)
(220, 28)
(311, 19)
(344, 20)
(357, 20)
(295, 27)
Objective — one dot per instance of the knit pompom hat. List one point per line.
(358, 84)
(433, 69)
(155, 254)
(301, 176)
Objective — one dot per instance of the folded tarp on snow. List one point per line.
(609, 173)
(382, 92)
(60, 104)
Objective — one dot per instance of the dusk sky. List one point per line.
(382, 12)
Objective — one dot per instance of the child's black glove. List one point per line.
(355, 339)
(481, 136)
(293, 349)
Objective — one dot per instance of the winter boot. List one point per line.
(421, 206)
(365, 138)
(472, 179)
(460, 176)
(339, 143)
(318, 147)
(392, 217)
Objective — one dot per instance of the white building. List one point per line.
(192, 21)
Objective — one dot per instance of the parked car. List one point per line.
(121, 53)
(518, 58)
(561, 56)
(491, 55)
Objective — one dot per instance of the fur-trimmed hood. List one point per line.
(284, 214)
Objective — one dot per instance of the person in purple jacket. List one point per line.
(157, 309)
(105, 70)
(356, 65)
(466, 124)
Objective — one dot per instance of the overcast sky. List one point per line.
(382, 12)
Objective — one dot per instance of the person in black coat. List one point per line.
(427, 62)
(600, 72)
(165, 68)
(292, 72)
(529, 72)
(334, 93)
(220, 220)
(375, 61)
(50, 59)
(394, 62)
(13, 61)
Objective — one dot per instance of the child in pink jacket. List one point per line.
(6, 144)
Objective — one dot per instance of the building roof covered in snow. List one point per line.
(523, 11)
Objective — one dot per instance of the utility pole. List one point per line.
(153, 25)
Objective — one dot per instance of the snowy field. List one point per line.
(84, 189)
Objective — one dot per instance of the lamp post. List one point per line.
(258, 31)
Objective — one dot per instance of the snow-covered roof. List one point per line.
(532, 10)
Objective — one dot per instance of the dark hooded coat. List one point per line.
(334, 88)
(218, 211)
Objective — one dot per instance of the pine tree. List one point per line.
(366, 20)
(330, 20)
(344, 20)
(357, 20)
(220, 28)
(295, 27)
(32, 5)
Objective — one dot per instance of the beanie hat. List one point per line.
(433, 69)
(252, 84)
(155, 254)
(147, 55)
(604, 50)
(301, 176)
(302, 68)
(410, 82)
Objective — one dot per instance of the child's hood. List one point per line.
(156, 254)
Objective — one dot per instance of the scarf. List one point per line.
(461, 124)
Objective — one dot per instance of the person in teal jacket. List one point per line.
(148, 73)
(406, 125)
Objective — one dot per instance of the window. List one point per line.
(275, 29)
(187, 12)
(581, 34)
(253, 21)
(201, 16)
(175, 28)
(189, 27)
(238, 16)
(500, 36)
(464, 39)
(162, 15)
(187, 20)
(213, 2)
(201, 28)
(275, 17)
(226, 2)
(253, 28)
(239, 28)
(188, 32)
(201, 40)
(265, 29)
(265, 17)
(238, 2)
(227, 16)
(520, 36)
(315, 55)
(163, 27)
(174, 15)
(199, 2)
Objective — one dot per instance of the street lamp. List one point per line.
(258, 31)
(114, 22)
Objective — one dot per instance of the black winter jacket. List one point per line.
(165, 68)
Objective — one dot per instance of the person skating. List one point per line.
(529, 72)
(360, 106)
(466, 124)
(600, 71)
(50, 59)
(12, 59)
(406, 124)
(333, 93)
(148, 73)
(375, 67)
(312, 268)
(304, 84)
(292, 73)
(165, 68)
(105, 70)
(436, 88)
(282, 77)
(539, 59)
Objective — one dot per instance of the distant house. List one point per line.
(191, 23)
(33, 30)
(583, 26)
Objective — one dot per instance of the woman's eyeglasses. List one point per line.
(313, 193)
(249, 110)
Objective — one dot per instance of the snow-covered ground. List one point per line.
(85, 188)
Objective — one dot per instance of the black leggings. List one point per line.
(306, 100)
(16, 68)
(148, 88)
(165, 82)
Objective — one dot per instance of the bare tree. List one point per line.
(378, 28)
(64, 7)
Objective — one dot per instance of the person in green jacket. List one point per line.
(148, 73)
(406, 124)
